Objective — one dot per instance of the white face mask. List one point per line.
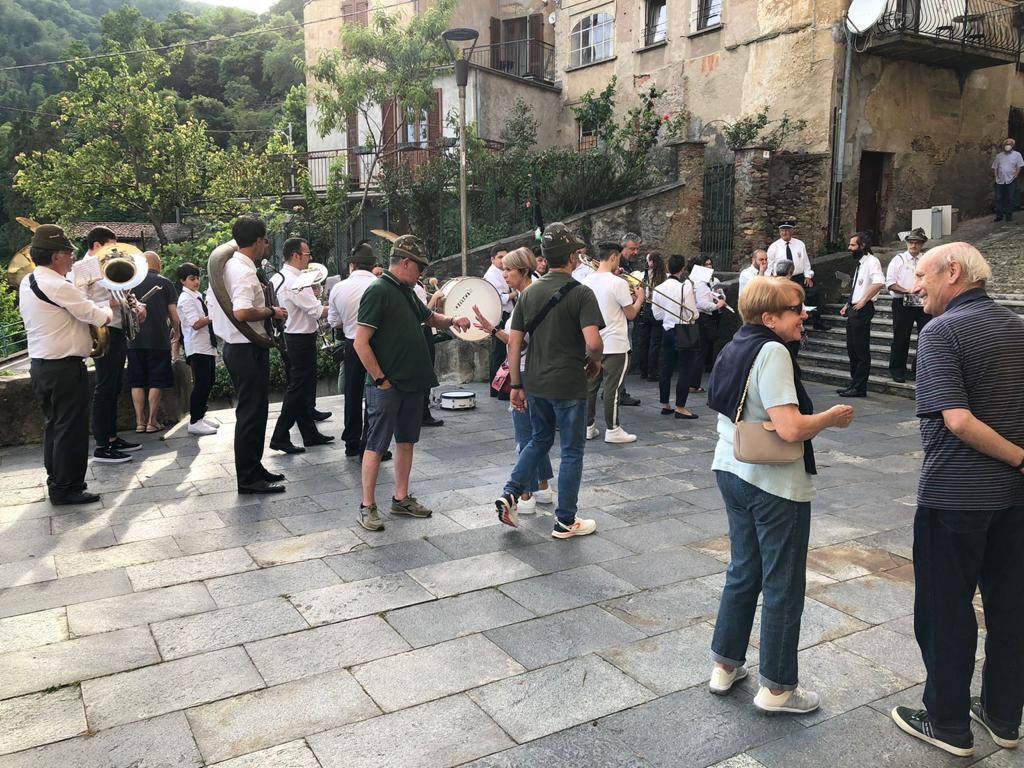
(1007, 147)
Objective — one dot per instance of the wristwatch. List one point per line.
(381, 380)
(515, 386)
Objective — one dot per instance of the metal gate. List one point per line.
(716, 229)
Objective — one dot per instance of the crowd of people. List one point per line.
(562, 339)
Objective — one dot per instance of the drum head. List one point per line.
(461, 294)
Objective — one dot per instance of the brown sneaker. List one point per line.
(409, 507)
(369, 518)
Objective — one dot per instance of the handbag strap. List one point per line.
(557, 297)
(743, 397)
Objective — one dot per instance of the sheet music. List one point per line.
(85, 272)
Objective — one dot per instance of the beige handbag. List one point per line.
(756, 442)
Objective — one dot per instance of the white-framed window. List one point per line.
(705, 14)
(587, 138)
(416, 129)
(656, 22)
(591, 39)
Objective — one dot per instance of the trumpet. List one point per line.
(632, 280)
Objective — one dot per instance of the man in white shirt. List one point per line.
(907, 309)
(342, 314)
(789, 248)
(617, 308)
(200, 347)
(300, 336)
(248, 363)
(1006, 167)
(758, 266)
(868, 280)
(582, 271)
(494, 276)
(57, 316)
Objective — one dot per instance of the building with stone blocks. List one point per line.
(933, 89)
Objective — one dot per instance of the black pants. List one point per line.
(1004, 199)
(904, 319)
(62, 389)
(355, 384)
(295, 409)
(954, 553)
(498, 354)
(203, 367)
(249, 367)
(858, 344)
(707, 325)
(646, 343)
(311, 394)
(681, 363)
(428, 333)
(810, 298)
(109, 371)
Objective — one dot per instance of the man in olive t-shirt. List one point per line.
(564, 350)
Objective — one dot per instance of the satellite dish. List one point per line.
(863, 15)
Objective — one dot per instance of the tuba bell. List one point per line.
(122, 267)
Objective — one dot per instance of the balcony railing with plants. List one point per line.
(528, 59)
(991, 25)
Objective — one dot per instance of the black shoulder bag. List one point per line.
(687, 335)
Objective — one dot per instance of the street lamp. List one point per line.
(460, 44)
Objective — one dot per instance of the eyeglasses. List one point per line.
(797, 308)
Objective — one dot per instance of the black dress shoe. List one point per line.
(628, 399)
(286, 447)
(851, 393)
(667, 411)
(272, 477)
(899, 377)
(74, 497)
(686, 415)
(320, 415)
(318, 440)
(430, 421)
(387, 456)
(261, 486)
(353, 452)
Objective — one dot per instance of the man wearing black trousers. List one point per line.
(907, 310)
(57, 317)
(868, 280)
(247, 363)
(300, 335)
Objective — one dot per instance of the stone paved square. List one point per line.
(183, 625)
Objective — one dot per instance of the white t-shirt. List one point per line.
(612, 295)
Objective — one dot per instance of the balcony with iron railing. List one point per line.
(958, 34)
(527, 59)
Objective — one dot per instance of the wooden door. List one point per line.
(869, 193)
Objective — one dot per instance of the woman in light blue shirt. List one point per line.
(768, 505)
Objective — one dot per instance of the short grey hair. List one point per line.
(973, 266)
(630, 237)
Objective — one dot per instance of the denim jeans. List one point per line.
(570, 416)
(768, 538)
(680, 363)
(1004, 199)
(954, 553)
(523, 427)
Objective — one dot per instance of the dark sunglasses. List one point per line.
(797, 308)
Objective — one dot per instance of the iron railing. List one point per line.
(717, 216)
(528, 59)
(992, 25)
(13, 338)
(657, 33)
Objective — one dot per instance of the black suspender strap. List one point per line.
(39, 292)
(557, 297)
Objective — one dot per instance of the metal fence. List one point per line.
(521, 58)
(989, 24)
(13, 339)
(717, 223)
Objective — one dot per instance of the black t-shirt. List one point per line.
(155, 333)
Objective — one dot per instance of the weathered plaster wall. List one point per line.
(798, 188)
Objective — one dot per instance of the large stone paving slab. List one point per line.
(51, 594)
(873, 599)
(379, 561)
(40, 718)
(665, 566)
(30, 630)
(139, 608)
(253, 586)
(297, 548)
(659, 610)
(359, 598)
(577, 747)
(121, 555)
(294, 754)
(567, 589)
(471, 573)
(456, 616)
(181, 570)
(30, 571)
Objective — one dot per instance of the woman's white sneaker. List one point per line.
(581, 527)
(529, 506)
(201, 428)
(722, 680)
(798, 701)
(545, 496)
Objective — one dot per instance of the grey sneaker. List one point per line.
(798, 701)
(369, 518)
(409, 507)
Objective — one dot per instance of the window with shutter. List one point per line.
(434, 125)
(352, 144)
(495, 43)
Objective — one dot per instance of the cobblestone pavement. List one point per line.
(179, 624)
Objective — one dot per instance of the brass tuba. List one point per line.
(215, 271)
(122, 267)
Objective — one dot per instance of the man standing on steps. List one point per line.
(1006, 167)
(788, 248)
(907, 309)
(868, 280)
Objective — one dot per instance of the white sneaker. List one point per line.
(592, 431)
(210, 423)
(201, 428)
(213, 421)
(618, 435)
(545, 496)
(579, 528)
(722, 681)
(529, 506)
(797, 701)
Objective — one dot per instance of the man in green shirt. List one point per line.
(399, 372)
(564, 349)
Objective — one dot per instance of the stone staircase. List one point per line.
(823, 356)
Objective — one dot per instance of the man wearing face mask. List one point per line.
(1006, 167)
(868, 280)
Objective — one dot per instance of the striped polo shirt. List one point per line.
(971, 356)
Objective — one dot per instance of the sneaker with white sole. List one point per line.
(618, 435)
(506, 505)
(545, 496)
(917, 723)
(201, 428)
(798, 701)
(109, 455)
(529, 506)
(722, 680)
(212, 423)
(580, 527)
(592, 431)
(1007, 738)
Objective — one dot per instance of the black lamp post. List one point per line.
(461, 43)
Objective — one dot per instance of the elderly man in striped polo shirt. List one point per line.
(969, 528)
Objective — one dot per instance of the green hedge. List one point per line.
(326, 368)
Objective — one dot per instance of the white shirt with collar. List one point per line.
(869, 273)
(900, 272)
(746, 276)
(494, 277)
(343, 305)
(666, 299)
(801, 261)
(245, 292)
(304, 308)
(190, 310)
(98, 294)
(62, 331)
(707, 302)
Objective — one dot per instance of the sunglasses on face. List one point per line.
(797, 308)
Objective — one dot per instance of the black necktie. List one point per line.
(789, 255)
(206, 313)
(853, 284)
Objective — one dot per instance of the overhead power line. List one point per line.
(190, 43)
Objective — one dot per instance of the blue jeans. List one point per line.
(523, 426)
(674, 361)
(768, 539)
(570, 416)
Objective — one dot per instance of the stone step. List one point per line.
(833, 345)
(840, 362)
(842, 379)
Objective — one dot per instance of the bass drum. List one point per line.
(461, 294)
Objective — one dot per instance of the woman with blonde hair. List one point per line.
(518, 267)
(757, 380)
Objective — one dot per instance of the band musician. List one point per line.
(57, 316)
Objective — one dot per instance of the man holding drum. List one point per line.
(399, 373)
